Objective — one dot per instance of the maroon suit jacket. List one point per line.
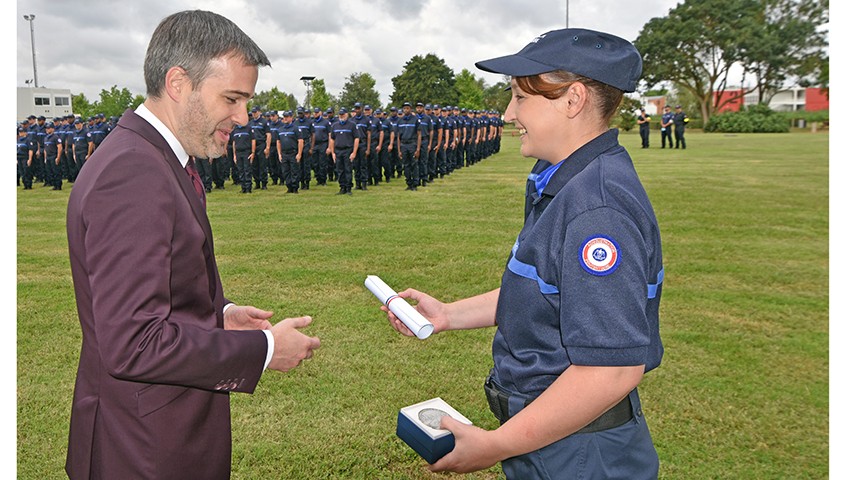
(155, 368)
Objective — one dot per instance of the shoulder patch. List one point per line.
(600, 255)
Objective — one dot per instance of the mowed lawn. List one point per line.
(742, 391)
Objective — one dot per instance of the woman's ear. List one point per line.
(575, 99)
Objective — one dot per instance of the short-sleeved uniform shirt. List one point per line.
(289, 136)
(583, 282)
(344, 133)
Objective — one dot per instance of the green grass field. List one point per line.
(742, 392)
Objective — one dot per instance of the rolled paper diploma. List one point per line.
(397, 305)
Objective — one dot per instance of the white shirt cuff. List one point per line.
(270, 347)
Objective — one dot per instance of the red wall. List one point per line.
(816, 99)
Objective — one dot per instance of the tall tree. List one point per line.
(81, 105)
(359, 87)
(115, 101)
(424, 79)
(319, 95)
(470, 90)
(274, 99)
(696, 45)
(786, 43)
(497, 97)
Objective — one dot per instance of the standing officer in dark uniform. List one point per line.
(343, 145)
(644, 128)
(98, 131)
(424, 143)
(203, 167)
(375, 144)
(81, 145)
(319, 145)
(385, 151)
(272, 159)
(679, 121)
(40, 163)
(394, 153)
(241, 142)
(409, 143)
(303, 124)
(53, 151)
(260, 148)
(291, 146)
(331, 167)
(667, 124)
(26, 150)
(361, 163)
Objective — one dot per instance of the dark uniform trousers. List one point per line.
(259, 169)
(361, 165)
(320, 162)
(423, 159)
(53, 171)
(385, 161)
(397, 165)
(81, 156)
(344, 176)
(304, 165)
(645, 136)
(25, 171)
(203, 166)
(218, 169)
(375, 174)
(273, 163)
(244, 169)
(432, 157)
(680, 136)
(666, 135)
(290, 170)
(411, 165)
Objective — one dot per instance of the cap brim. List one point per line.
(514, 65)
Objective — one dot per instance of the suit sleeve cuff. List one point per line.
(270, 347)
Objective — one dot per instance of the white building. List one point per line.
(50, 102)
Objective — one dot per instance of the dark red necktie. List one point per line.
(197, 182)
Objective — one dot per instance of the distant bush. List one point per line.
(820, 116)
(754, 119)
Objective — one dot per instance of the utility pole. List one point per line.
(307, 80)
(31, 19)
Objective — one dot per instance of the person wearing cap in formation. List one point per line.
(204, 169)
(394, 160)
(447, 139)
(667, 125)
(643, 121)
(319, 146)
(361, 163)
(302, 123)
(439, 148)
(25, 153)
(343, 145)
(273, 159)
(290, 144)
(53, 147)
(385, 150)
(65, 131)
(81, 145)
(424, 143)
(375, 143)
(40, 162)
(470, 137)
(679, 121)
(98, 131)
(432, 151)
(242, 146)
(260, 148)
(331, 164)
(577, 310)
(409, 144)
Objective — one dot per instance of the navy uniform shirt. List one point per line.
(81, 138)
(424, 126)
(375, 128)
(386, 127)
(303, 124)
(273, 127)
(289, 135)
(408, 126)
(24, 146)
(259, 131)
(679, 120)
(98, 133)
(51, 145)
(241, 138)
(583, 283)
(362, 124)
(320, 126)
(344, 133)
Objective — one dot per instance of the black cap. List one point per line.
(41, 117)
(357, 105)
(407, 104)
(678, 106)
(78, 120)
(393, 109)
(288, 113)
(316, 109)
(596, 55)
(343, 110)
(31, 117)
(419, 104)
(329, 110)
(49, 125)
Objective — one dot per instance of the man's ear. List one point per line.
(177, 84)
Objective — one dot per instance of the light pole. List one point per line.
(307, 80)
(31, 18)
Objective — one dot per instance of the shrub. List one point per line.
(754, 119)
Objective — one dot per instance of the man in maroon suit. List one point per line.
(161, 346)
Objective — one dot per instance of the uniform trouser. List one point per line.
(645, 137)
(259, 171)
(397, 165)
(442, 161)
(423, 156)
(290, 170)
(411, 164)
(25, 171)
(331, 167)
(231, 168)
(343, 163)
(624, 452)
(67, 164)
(244, 170)
(80, 162)
(53, 172)
(432, 157)
(386, 162)
(666, 135)
(320, 162)
(680, 137)
(361, 166)
(375, 173)
(273, 165)
(218, 169)
(203, 167)
(304, 165)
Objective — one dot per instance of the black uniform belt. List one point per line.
(614, 417)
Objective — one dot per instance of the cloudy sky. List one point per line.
(88, 46)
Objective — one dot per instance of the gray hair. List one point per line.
(191, 40)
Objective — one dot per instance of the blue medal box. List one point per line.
(430, 443)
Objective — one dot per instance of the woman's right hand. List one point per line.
(432, 309)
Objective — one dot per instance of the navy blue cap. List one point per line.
(20, 129)
(100, 115)
(419, 104)
(78, 120)
(300, 109)
(393, 109)
(357, 104)
(329, 110)
(31, 117)
(41, 117)
(316, 109)
(596, 55)
(378, 111)
(49, 125)
(367, 107)
(407, 104)
(427, 107)
(255, 109)
(343, 110)
(288, 113)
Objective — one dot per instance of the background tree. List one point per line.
(696, 45)
(81, 105)
(627, 114)
(319, 95)
(424, 79)
(274, 99)
(359, 87)
(115, 101)
(786, 42)
(470, 90)
(497, 97)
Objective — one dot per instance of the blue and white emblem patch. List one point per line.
(600, 255)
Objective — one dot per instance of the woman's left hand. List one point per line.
(474, 449)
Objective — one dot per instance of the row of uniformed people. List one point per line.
(53, 151)
(431, 142)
